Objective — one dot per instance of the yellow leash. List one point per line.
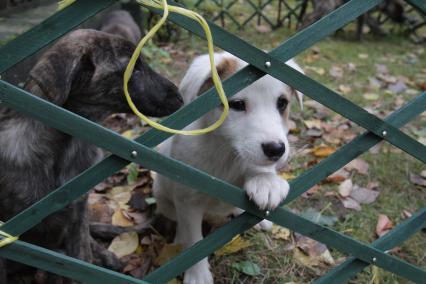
(216, 79)
(8, 239)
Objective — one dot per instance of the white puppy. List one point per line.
(244, 151)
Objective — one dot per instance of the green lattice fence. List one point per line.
(377, 130)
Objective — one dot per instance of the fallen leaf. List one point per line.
(363, 195)
(338, 176)
(406, 214)
(336, 72)
(167, 252)
(345, 188)
(247, 267)
(120, 219)
(280, 233)
(318, 70)
(345, 89)
(384, 224)
(235, 245)
(311, 191)
(133, 173)
(317, 217)
(351, 204)
(263, 28)
(315, 123)
(124, 244)
(323, 151)
(362, 56)
(359, 165)
(423, 174)
(397, 88)
(311, 253)
(417, 179)
(371, 96)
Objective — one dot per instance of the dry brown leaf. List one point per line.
(384, 224)
(235, 245)
(351, 204)
(119, 218)
(345, 188)
(168, 252)
(280, 233)
(311, 253)
(336, 72)
(124, 244)
(323, 151)
(359, 165)
(363, 195)
(417, 179)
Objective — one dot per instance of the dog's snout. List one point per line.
(173, 99)
(273, 150)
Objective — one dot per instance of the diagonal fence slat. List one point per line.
(49, 30)
(194, 178)
(196, 109)
(352, 266)
(300, 185)
(419, 4)
(64, 265)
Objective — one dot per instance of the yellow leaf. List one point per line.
(119, 219)
(168, 252)
(345, 89)
(323, 151)
(124, 244)
(128, 134)
(280, 233)
(174, 281)
(235, 245)
(314, 123)
(287, 176)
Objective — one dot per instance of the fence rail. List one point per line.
(121, 148)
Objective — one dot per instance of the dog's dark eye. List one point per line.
(238, 105)
(282, 104)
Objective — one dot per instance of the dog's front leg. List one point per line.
(188, 232)
(266, 189)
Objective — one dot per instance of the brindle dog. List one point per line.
(82, 72)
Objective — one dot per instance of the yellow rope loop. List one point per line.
(8, 239)
(64, 3)
(215, 76)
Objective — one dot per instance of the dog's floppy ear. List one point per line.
(198, 78)
(53, 75)
(294, 92)
(226, 66)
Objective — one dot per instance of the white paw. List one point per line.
(198, 274)
(267, 190)
(265, 225)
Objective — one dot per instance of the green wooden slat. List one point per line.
(48, 31)
(300, 185)
(63, 265)
(197, 108)
(418, 4)
(352, 266)
(179, 172)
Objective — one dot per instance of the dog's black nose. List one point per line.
(273, 150)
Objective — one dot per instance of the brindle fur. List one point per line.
(83, 73)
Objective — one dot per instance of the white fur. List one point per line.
(233, 153)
